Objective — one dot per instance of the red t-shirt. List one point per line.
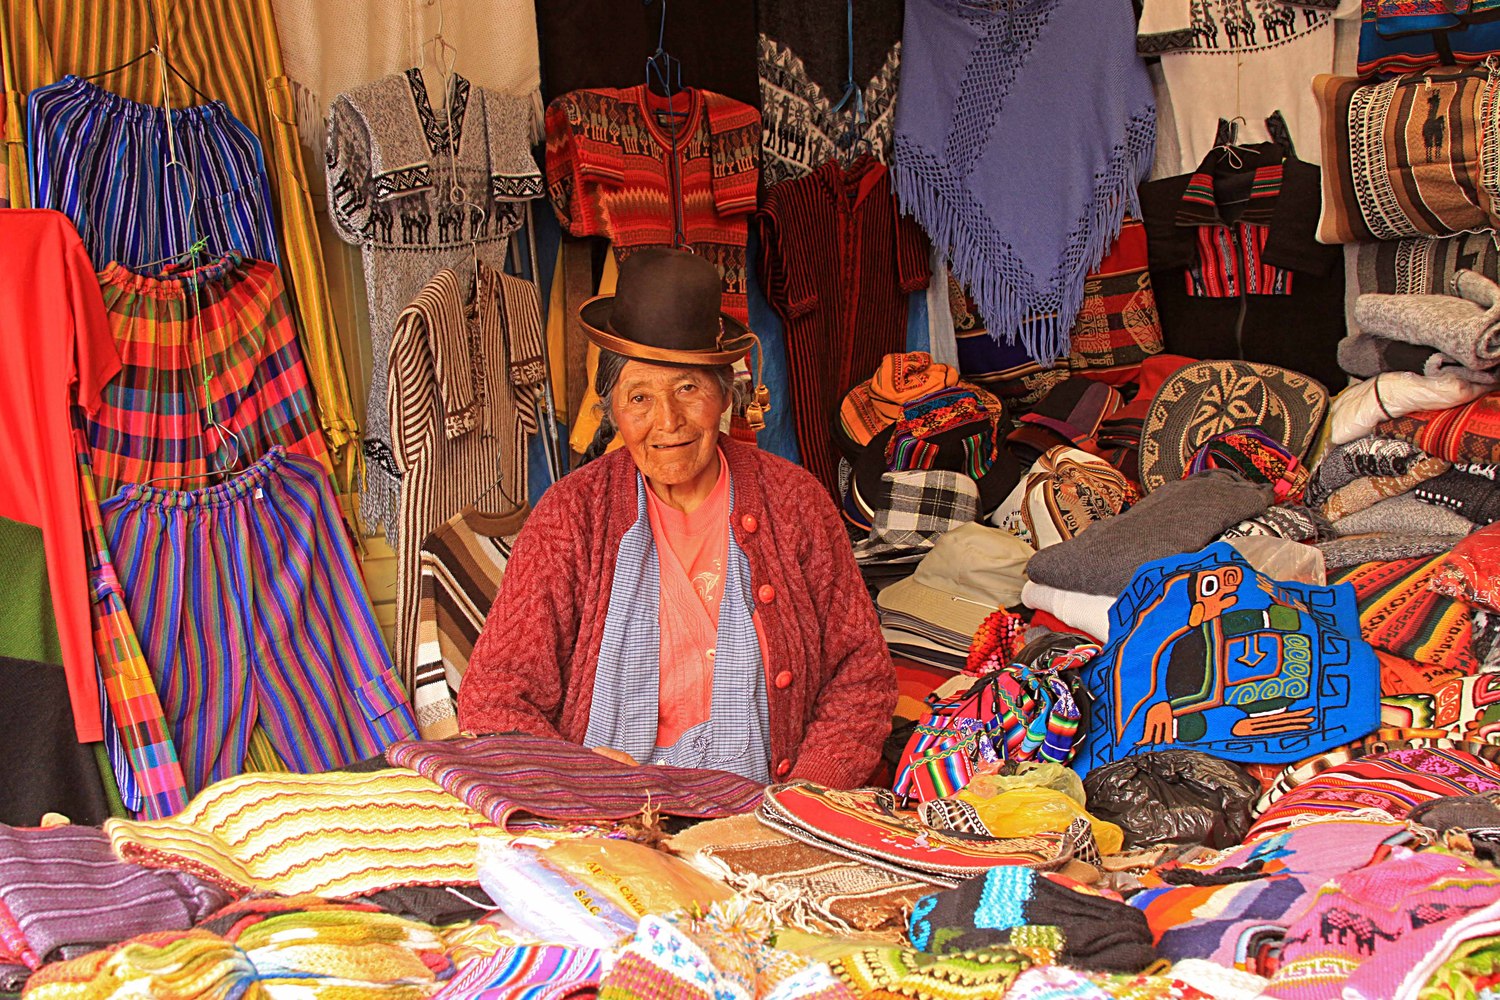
(59, 349)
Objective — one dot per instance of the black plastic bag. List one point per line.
(1174, 797)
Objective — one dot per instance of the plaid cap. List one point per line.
(913, 509)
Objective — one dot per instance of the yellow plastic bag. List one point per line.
(1030, 774)
(1025, 812)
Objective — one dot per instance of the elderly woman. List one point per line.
(686, 599)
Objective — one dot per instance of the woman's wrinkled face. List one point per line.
(668, 418)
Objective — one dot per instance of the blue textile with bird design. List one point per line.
(1208, 654)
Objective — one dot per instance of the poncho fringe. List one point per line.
(979, 256)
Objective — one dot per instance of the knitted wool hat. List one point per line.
(1098, 933)
(1067, 490)
(957, 429)
(1255, 457)
(876, 403)
(1201, 401)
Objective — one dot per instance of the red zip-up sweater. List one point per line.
(830, 684)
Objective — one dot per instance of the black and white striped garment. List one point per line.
(463, 383)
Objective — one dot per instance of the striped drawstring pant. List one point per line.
(249, 608)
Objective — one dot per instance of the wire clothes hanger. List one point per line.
(666, 71)
(166, 65)
(195, 245)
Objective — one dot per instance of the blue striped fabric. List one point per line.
(119, 755)
(249, 607)
(106, 163)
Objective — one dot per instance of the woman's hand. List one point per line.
(618, 756)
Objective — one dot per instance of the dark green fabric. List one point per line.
(28, 629)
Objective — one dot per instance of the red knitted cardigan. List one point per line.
(830, 684)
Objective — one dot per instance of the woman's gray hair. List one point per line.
(607, 377)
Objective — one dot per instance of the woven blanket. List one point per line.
(1208, 654)
(1421, 266)
(1467, 433)
(503, 776)
(1396, 163)
(334, 834)
(864, 824)
(1394, 781)
(1399, 614)
(1021, 133)
(63, 887)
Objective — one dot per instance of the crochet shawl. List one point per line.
(1021, 133)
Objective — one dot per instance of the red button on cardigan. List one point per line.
(784, 680)
(750, 524)
(783, 769)
(766, 593)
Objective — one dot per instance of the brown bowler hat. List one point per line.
(666, 309)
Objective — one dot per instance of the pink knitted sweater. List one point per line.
(830, 684)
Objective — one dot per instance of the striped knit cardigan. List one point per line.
(829, 677)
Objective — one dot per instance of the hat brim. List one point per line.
(958, 616)
(734, 344)
(994, 486)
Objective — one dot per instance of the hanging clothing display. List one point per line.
(60, 352)
(393, 168)
(614, 169)
(332, 46)
(1021, 167)
(1236, 267)
(804, 65)
(251, 609)
(142, 185)
(462, 563)
(465, 379)
(1229, 59)
(1117, 329)
(603, 43)
(229, 51)
(838, 262)
(211, 374)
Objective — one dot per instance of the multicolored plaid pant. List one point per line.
(250, 608)
(141, 187)
(202, 351)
